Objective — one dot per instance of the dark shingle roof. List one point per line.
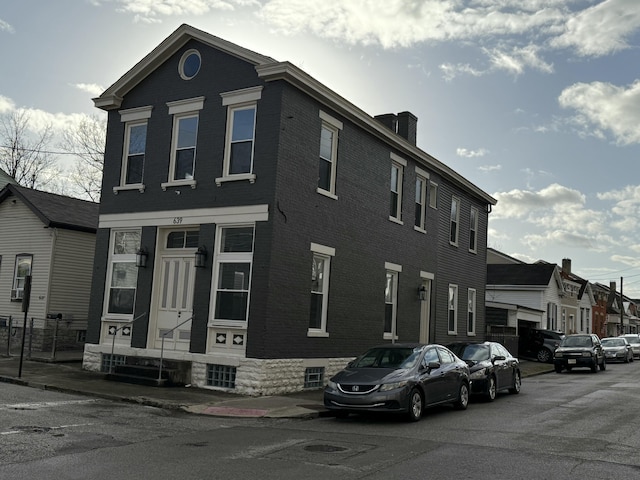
(56, 210)
(520, 274)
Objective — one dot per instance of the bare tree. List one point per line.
(23, 152)
(86, 141)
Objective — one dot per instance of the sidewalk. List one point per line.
(65, 374)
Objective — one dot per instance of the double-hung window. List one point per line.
(433, 195)
(421, 199)
(184, 138)
(123, 273)
(232, 279)
(452, 320)
(320, 270)
(391, 300)
(397, 174)
(473, 230)
(21, 271)
(328, 155)
(455, 221)
(135, 145)
(471, 311)
(238, 162)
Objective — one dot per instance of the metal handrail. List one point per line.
(162, 345)
(113, 341)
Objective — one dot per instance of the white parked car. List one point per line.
(634, 341)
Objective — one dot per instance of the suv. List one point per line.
(580, 350)
(539, 344)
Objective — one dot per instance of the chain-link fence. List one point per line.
(42, 337)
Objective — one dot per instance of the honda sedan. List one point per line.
(399, 378)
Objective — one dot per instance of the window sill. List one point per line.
(179, 183)
(395, 220)
(388, 336)
(134, 186)
(418, 229)
(236, 178)
(475, 252)
(326, 193)
(227, 324)
(317, 333)
(452, 333)
(117, 319)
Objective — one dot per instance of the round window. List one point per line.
(189, 64)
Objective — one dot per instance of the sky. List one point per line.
(537, 102)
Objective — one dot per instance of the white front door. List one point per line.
(172, 299)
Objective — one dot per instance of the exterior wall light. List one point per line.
(422, 293)
(141, 257)
(201, 256)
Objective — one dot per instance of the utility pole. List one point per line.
(621, 309)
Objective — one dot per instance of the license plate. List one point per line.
(571, 361)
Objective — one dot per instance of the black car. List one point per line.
(539, 344)
(580, 350)
(492, 368)
(399, 378)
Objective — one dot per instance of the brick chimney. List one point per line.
(404, 124)
(408, 126)
(566, 266)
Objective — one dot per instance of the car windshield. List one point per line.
(613, 342)
(576, 342)
(383, 357)
(472, 352)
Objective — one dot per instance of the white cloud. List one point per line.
(6, 27)
(601, 29)
(520, 203)
(450, 71)
(603, 107)
(517, 59)
(489, 168)
(6, 105)
(90, 88)
(148, 11)
(463, 152)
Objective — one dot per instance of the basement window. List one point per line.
(314, 377)
(223, 376)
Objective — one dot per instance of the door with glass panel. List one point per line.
(173, 289)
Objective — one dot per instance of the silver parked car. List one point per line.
(399, 378)
(634, 341)
(617, 349)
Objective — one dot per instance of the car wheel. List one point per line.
(544, 355)
(490, 394)
(517, 383)
(558, 368)
(626, 359)
(463, 397)
(415, 405)
(569, 369)
(594, 367)
(603, 365)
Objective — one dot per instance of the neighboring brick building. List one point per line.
(281, 216)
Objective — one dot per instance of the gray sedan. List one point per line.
(399, 378)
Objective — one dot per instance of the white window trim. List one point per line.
(182, 109)
(400, 163)
(455, 309)
(334, 126)
(14, 289)
(474, 228)
(235, 100)
(327, 253)
(425, 179)
(111, 259)
(433, 195)
(395, 270)
(229, 257)
(471, 292)
(131, 117)
(456, 220)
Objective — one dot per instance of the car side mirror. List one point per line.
(498, 357)
(433, 366)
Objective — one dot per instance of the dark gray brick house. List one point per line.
(282, 229)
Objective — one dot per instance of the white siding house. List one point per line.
(51, 238)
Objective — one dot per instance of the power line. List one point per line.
(31, 150)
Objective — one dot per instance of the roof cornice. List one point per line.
(295, 76)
